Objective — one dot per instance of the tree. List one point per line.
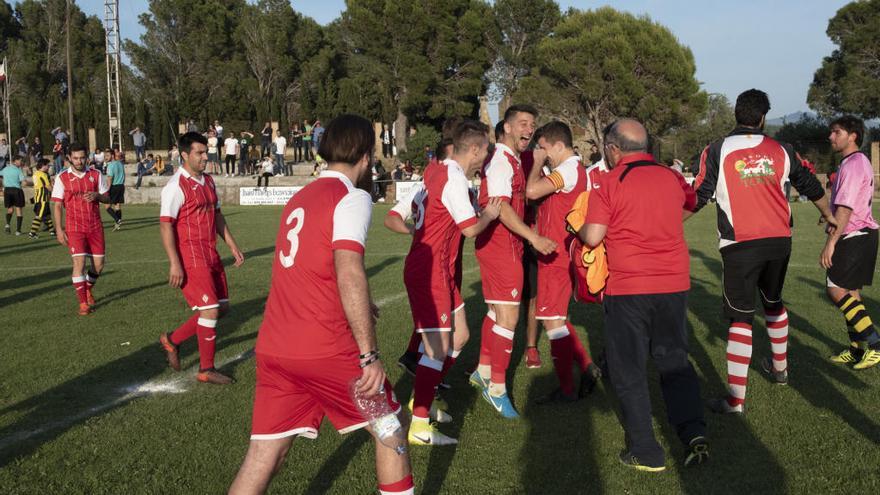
(602, 64)
(521, 25)
(426, 60)
(809, 136)
(686, 142)
(849, 79)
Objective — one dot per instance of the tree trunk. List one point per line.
(401, 125)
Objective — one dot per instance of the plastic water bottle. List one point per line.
(382, 419)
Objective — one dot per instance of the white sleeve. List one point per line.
(569, 177)
(404, 206)
(58, 189)
(457, 201)
(499, 175)
(103, 184)
(172, 200)
(351, 221)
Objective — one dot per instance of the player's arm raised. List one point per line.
(538, 186)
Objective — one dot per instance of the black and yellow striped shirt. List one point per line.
(41, 187)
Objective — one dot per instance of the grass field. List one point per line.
(87, 405)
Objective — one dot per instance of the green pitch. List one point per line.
(87, 404)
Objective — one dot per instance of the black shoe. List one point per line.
(556, 397)
(634, 462)
(33, 235)
(409, 361)
(589, 378)
(777, 377)
(698, 452)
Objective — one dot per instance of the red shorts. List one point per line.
(430, 303)
(554, 292)
(293, 396)
(502, 282)
(205, 287)
(86, 243)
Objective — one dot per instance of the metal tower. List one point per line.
(114, 110)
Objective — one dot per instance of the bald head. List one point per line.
(628, 135)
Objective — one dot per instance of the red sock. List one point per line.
(580, 352)
(486, 338)
(428, 375)
(402, 487)
(79, 284)
(562, 350)
(739, 354)
(449, 361)
(502, 347)
(185, 331)
(414, 340)
(207, 337)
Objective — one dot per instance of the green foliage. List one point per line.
(849, 79)
(687, 142)
(425, 136)
(809, 137)
(602, 64)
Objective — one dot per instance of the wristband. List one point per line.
(369, 361)
(369, 354)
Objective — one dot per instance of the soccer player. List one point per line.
(499, 252)
(116, 176)
(189, 222)
(444, 214)
(745, 171)
(559, 191)
(318, 334)
(850, 253)
(42, 190)
(637, 211)
(79, 189)
(13, 194)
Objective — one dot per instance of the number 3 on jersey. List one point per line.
(418, 208)
(292, 237)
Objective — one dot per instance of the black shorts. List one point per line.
(117, 194)
(530, 272)
(42, 210)
(754, 268)
(854, 260)
(13, 196)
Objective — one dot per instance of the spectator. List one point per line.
(213, 153)
(218, 129)
(297, 139)
(230, 147)
(266, 171)
(280, 146)
(266, 139)
(59, 134)
(677, 165)
(57, 156)
(4, 153)
(36, 150)
(98, 160)
(144, 167)
(595, 156)
(140, 142)
(174, 157)
(398, 173)
(429, 154)
(317, 132)
(307, 141)
(22, 147)
(417, 173)
(380, 184)
(385, 137)
(244, 149)
(191, 126)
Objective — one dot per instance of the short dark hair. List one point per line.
(347, 138)
(751, 107)
(554, 132)
(852, 125)
(449, 126)
(499, 130)
(77, 147)
(441, 148)
(185, 141)
(43, 162)
(469, 133)
(512, 110)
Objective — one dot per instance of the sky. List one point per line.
(774, 46)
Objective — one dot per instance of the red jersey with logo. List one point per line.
(304, 318)
(503, 177)
(70, 187)
(190, 203)
(570, 180)
(746, 171)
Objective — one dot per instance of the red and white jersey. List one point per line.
(502, 177)
(70, 186)
(440, 211)
(404, 207)
(190, 204)
(594, 172)
(304, 318)
(570, 180)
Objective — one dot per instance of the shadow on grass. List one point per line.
(103, 389)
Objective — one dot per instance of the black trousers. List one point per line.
(297, 150)
(386, 150)
(230, 164)
(264, 175)
(652, 325)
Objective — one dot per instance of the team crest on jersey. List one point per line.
(514, 292)
(443, 317)
(91, 179)
(755, 170)
(204, 298)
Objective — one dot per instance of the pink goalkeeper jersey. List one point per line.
(854, 189)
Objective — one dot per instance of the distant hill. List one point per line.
(790, 118)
